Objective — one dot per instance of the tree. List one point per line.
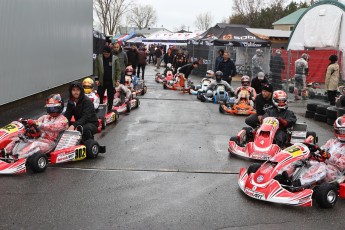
(109, 13)
(142, 16)
(203, 21)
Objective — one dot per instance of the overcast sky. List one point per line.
(174, 13)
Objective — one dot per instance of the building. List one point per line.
(278, 38)
(288, 22)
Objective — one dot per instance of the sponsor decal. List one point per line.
(63, 157)
(243, 37)
(254, 194)
(250, 44)
(260, 157)
(270, 122)
(260, 178)
(227, 36)
(294, 151)
(10, 128)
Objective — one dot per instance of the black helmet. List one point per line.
(54, 105)
(219, 76)
(333, 58)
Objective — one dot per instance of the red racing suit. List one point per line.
(50, 128)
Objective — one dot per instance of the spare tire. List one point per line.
(341, 111)
(312, 107)
(332, 112)
(321, 109)
(320, 117)
(309, 114)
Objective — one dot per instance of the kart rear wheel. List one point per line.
(137, 103)
(38, 162)
(92, 148)
(326, 195)
(202, 98)
(164, 86)
(253, 168)
(332, 112)
(309, 114)
(117, 115)
(221, 110)
(104, 123)
(128, 107)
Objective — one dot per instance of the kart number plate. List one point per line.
(271, 122)
(10, 128)
(294, 151)
(80, 153)
(256, 195)
(221, 88)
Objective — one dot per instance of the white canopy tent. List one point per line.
(322, 26)
(168, 39)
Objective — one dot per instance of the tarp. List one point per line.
(235, 36)
(169, 37)
(136, 40)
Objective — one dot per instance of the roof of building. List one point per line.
(269, 33)
(223, 25)
(290, 19)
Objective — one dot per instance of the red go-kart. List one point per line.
(177, 83)
(271, 182)
(259, 144)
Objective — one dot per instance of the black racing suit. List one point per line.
(281, 136)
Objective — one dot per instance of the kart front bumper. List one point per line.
(14, 167)
(273, 191)
(249, 151)
(237, 110)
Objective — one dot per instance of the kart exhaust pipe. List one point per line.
(102, 149)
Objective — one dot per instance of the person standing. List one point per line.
(186, 70)
(258, 82)
(301, 71)
(332, 79)
(227, 67)
(179, 60)
(277, 66)
(257, 62)
(141, 62)
(123, 60)
(158, 54)
(107, 72)
(151, 53)
(132, 55)
(219, 59)
(168, 57)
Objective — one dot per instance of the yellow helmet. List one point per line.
(88, 85)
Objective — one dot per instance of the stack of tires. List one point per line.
(332, 114)
(323, 113)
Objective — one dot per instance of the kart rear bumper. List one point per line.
(273, 191)
(13, 168)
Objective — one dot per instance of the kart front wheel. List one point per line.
(253, 168)
(128, 107)
(234, 139)
(326, 195)
(221, 110)
(104, 123)
(38, 162)
(92, 148)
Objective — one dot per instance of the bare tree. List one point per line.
(203, 21)
(109, 13)
(142, 16)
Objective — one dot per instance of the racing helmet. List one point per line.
(88, 85)
(129, 70)
(279, 99)
(54, 105)
(245, 80)
(339, 128)
(169, 66)
(305, 56)
(209, 73)
(219, 76)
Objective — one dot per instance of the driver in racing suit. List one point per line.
(286, 118)
(88, 84)
(245, 82)
(168, 68)
(122, 94)
(331, 163)
(50, 126)
(210, 91)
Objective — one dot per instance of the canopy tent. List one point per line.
(169, 38)
(136, 40)
(320, 27)
(231, 35)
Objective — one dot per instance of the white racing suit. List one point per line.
(122, 95)
(50, 128)
(331, 169)
(211, 89)
(94, 98)
(245, 92)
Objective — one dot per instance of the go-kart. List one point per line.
(125, 106)
(139, 87)
(104, 117)
(69, 146)
(271, 182)
(200, 88)
(217, 96)
(259, 144)
(159, 78)
(177, 83)
(241, 107)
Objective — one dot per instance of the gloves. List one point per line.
(282, 122)
(324, 154)
(31, 122)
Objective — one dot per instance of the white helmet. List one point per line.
(169, 65)
(209, 73)
(245, 80)
(279, 99)
(339, 128)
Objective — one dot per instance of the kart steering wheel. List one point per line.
(32, 130)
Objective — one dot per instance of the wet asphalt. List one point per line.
(166, 167)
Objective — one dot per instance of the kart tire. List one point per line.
(221, 110)
(326, 195)
(198, 96)
(312, 107)
(330, 121)
(104, 123)
(202, 98)
(332, 112)
(38, 162)
(321, 109)
(117, 115)
(164, 86)
(320, 117)
(234, 139)
(137, 103)
(92, 148)
(341, 112)
(128, 107)
(253, 168)
(309, 114)
(249, 130)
